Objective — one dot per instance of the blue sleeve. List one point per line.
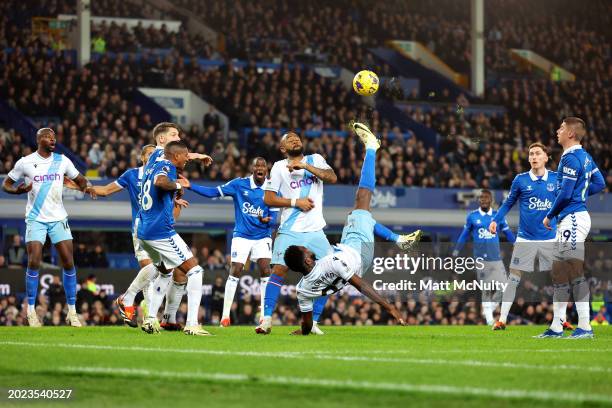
(507, 230)
(569, 167)
(515, 192)
(165, 169)
(465, 234)
(563, 197)
(273, 217)
(597, 183)
(210, 192)
(124, 179)
(230, 188)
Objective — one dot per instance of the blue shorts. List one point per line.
(358, 233)
(315, 241)
(57, 230)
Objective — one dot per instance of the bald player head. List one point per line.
(45, 138)
(291, 145)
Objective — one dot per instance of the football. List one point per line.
(365, 83)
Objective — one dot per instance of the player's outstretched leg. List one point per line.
(125, 303)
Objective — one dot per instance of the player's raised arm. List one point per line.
(319, 168)
(367, 289)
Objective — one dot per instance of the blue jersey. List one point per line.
(156, 156)
(536, 196)
(131, 180)
(580, 179)
(248, 206)
(155, 219)
(486, 245)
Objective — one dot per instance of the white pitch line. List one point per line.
(350, 384)
(319, 356)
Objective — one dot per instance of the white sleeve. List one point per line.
(70, 171)
(319, 162)
(17, 172)
(274, 182)
(305, 303)
(342, 269)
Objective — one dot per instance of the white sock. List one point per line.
(508, 297)
(230, 291)
(487, 311)
(194, 294)
(263, 282)
(156, 295)
(173, 300)
(560, 298)
(31, 308)
(145, 275)
(580, 289)
(71, 308)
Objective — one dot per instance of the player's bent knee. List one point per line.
(280, 270)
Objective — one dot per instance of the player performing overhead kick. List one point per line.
(253, 231)
(166, 248)
(45, 215)
(535, 190)
(578, 179)
(353, 256)
(296, 185)
(486, 247)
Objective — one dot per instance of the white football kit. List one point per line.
(47, 177)
(45, 213)
(329, 275)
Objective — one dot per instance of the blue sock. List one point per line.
(31, 285)
(385, 233)
(368, 171)
(317, 307)
(273, 289)
(70, 282)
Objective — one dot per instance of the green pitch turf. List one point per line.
(348, 367)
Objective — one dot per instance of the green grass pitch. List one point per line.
(348, 367)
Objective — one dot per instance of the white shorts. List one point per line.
(171, 251)
(139, 251)
(526, 252)
(572, 231)
(492, 271)
(257, 248)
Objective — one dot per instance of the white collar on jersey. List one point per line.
(252, 180)
(535, 178)
(571, 149)
(490, 212)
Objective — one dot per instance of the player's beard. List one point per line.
(298, 151)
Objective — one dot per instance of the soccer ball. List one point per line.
(365, 83)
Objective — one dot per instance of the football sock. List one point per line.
(580, 289)
(70, 283)
(230, 291)
(508, 297)
(368, 171)
(173, 300)
(194, 294)
(273, 289)
(560, 299)
(385, 233)
(263, 282)
(317, 307)
(145, 276)
(157, 293)
(31, 288)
